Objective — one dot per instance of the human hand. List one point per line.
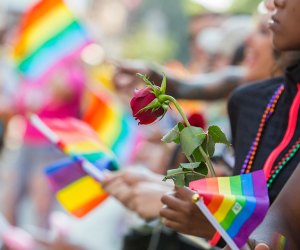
(117, 187)
(145, 199)
(125, 73)
(134, 175)
(182, 215)
(132, 66)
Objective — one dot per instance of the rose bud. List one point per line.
(145, 106)
(197, 120)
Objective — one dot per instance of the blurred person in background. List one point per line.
(58, 98)
(199, 61)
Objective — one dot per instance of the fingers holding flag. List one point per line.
(181, 214)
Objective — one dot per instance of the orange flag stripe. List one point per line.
(86, 208)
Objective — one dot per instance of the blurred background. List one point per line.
(188, 37)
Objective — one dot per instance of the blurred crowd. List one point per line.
(225, 51)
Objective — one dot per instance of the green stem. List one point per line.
(180, 110)
(189, 158)
(208, 161)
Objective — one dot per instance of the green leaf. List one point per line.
(163, 86)
(181, 126)
(154, 105)
(146, 80)
(191, 138)
(172, 136)
(189, 166)
(198, 156)
(202, 169)
(156, 91)
(217, 135)
(209, 145)
(177, 175)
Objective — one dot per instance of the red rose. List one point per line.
(141, 99)
(197, 120)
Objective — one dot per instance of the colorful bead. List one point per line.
(267, 114)
(248, 163)
(283, 162)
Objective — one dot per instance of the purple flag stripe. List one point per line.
(63, 173)
(260, 193)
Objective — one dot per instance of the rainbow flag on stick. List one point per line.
(49, 34)
(75, 190)
(234, 205)
(76, 139)
(116, 129)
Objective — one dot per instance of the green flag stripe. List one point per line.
(236, 190)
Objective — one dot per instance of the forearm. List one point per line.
(210, 86)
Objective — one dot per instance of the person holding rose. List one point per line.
(265, 124)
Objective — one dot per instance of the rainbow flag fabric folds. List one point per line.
(116, 129)
(234, 205)
(48, 35)
(77, 139)
(77, 192)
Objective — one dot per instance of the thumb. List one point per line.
(262, 246)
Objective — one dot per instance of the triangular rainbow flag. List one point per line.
(234, 205)
(116, 128)
(48, 35)
(75, 190)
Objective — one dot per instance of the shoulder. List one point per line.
(254, 92)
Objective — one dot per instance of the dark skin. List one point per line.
(212, 86)
(284, 23)
(182, 215)
(286, 208)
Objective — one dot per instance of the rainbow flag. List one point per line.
(77, 139)
(234, 205)
(115, 128)
(49, 34)
(75, 190)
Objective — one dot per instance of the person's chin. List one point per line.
(284, 46)
(278, 44)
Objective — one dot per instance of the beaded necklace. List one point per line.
(248, 163)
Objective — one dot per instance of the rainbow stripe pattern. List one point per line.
(116, 129)
(49, 34)
(77, 139)
(234, 205)
(77, 192)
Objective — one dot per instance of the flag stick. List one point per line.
(216, 225)
(90, 168)
(43, 128)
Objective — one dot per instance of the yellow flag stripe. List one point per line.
(228, 201)
(79, 193)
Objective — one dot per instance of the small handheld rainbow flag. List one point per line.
(78, 140)
(77, 192)
(48, 35)
(234, 205)
(115, 128)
